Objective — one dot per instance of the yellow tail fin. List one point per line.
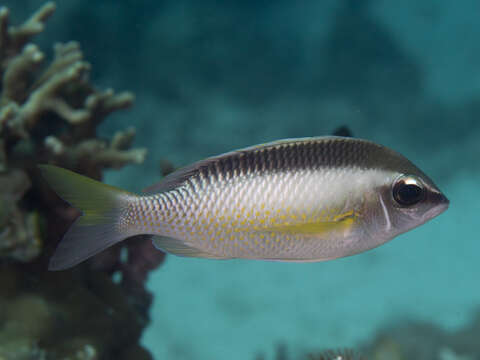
(102, 207)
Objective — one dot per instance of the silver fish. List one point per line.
(308, 199)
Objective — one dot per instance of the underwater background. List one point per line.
(211, 76)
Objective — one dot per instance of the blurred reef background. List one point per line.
(208, 77)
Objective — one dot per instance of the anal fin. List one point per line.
(177, 247)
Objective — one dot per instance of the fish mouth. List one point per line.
(440, 203)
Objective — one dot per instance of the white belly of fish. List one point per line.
(297, 216)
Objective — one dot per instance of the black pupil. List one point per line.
(408, 194)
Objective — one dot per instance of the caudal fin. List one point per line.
(102, 206)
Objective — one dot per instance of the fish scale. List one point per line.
(309, 199)
(253, 232)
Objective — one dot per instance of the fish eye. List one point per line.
(408, 190)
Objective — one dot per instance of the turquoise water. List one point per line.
(210, 77)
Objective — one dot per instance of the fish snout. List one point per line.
(439, 203)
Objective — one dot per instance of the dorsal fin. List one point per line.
(343, 131)
(178, 177)
(174, 179)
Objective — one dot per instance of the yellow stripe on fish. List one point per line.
(315, 228)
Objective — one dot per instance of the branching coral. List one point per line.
(49, 113)
(63, 92)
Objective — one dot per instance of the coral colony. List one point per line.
(49, 112)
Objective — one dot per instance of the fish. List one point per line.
(295, 200)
